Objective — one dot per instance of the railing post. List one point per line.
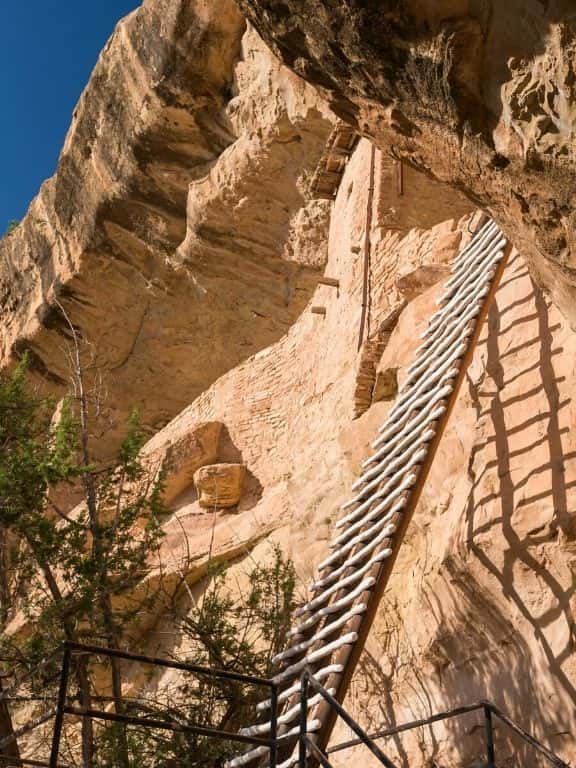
(302, 746)
(59, 718)
(489, 732)
(274, 726)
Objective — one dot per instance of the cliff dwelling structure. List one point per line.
(326, 250)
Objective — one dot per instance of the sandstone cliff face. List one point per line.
(283, 409)
(178, 237)
(481, 94)
(482, 601)
(169, 235)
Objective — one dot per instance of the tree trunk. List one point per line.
(81, 664)
(11, 748)
(109, 624)
(89, 485)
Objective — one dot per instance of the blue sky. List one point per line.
(47, 51)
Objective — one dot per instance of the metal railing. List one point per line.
(308, 747)
(10, 693)
(309, 751)
(63, 708)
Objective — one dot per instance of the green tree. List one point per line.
(69, 572)
(75, 574)
(238, 630)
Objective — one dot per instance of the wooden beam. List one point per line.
(340, 146)
(323, 194)
(331, 281)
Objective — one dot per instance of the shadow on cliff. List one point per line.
(480, 647)
(522, 552)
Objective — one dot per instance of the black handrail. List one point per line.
(64, 709)
(166, 725)
(489, 736)
(307, 744)
(488, 708)
(458, 711)
(156, 661)
(316, 751)
(552, 757)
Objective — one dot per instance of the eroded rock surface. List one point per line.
(481, 604)
(480, 94)
(182, 458)
(220, 486)
(170, 234)
(190, 256)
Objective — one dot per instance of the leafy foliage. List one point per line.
(238, 632)
(66, 565)
(71, 574)
(76, 575)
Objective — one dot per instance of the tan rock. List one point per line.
(185, 455)
(463, 91)
(169, 233)
(481, 602)
(408, 200)
(220, 485)
(428, 264)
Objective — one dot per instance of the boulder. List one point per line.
(220, 485)
(184, 456)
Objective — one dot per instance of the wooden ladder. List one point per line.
(330, 630)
